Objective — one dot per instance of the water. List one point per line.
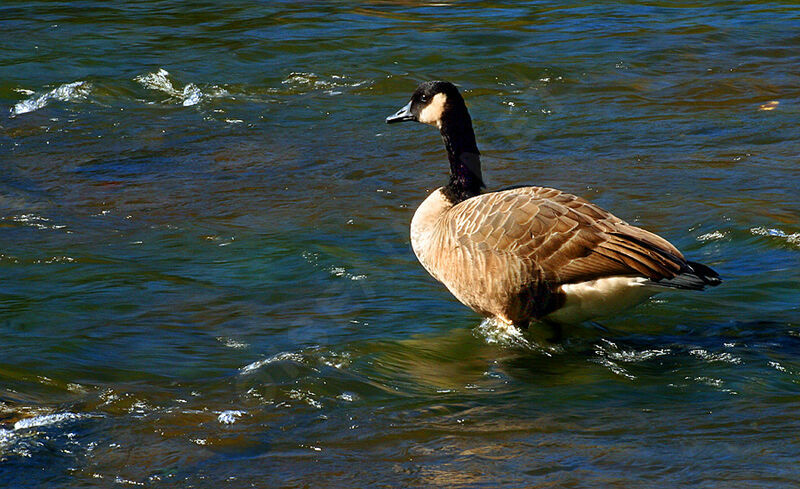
(206, 274)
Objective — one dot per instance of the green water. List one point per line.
(206, 273)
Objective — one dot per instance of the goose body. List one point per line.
(531, 253)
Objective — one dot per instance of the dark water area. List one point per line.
(206, 277)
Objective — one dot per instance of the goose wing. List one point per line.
(534, 236)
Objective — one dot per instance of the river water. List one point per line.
(206, 277)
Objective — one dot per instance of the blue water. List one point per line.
(206, 273)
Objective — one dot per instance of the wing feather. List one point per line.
(529, 235)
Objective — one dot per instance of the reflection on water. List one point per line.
(206, 272)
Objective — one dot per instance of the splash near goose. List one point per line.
(530, 253)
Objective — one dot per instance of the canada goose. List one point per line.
(530, 253)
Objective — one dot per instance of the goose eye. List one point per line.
(423, 98)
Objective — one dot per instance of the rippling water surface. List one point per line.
(206, 273)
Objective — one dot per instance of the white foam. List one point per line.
(69, 92)
(777, 366)
(302, 81)
(631, 356)
(336, 360)
(342, 272)
(295, 357)
(711, 236)
(716, 357)
(614, 368)
(305, 396)
(499, 333)
(46, 420)
(709, 381)
(189, 95)
(35, 221)
(120, 480)
(231, 343)
(612, 351)
(793, 238)
(6, 437)
(56, 259)
(157, 81)
(229, 417)
(301, 78)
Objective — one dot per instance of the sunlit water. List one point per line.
(206, 274)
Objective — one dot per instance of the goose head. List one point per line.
(434, 103)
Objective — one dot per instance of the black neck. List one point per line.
(465, 162)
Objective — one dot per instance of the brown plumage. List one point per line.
(531, 253)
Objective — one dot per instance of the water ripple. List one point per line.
(189, 95)
(792, 239)
(69, 92)
(278, 357)
(47, 420)
(710, 357)
(230, 416)
(231, 299)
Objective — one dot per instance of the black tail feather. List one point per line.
(709, 276)
(695, 276)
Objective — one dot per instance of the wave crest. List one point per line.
(68, 92)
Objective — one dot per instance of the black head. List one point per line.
(431, 103)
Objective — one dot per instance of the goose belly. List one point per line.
(599, 298)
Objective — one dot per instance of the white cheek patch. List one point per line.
(432, 113)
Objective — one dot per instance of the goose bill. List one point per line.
(401, 115)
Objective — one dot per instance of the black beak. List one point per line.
(401, 115)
